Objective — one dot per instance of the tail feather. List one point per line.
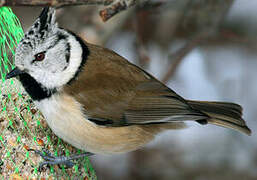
(223, 114)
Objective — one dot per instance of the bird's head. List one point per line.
(48, 54)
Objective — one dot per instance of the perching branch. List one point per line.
(114, 6)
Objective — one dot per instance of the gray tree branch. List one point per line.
(114, 6)
(56, 3)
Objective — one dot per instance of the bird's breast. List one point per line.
(65, 117)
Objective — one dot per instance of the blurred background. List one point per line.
(202, 49)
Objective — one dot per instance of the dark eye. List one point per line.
(40, 56)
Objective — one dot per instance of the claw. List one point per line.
(53, 160)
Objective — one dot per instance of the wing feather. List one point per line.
(115, 92)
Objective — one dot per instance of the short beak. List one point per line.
(13, 73)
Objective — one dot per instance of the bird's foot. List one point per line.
(58, 160)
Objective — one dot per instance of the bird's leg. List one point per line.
(53, 160)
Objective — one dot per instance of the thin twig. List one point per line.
(179, 55)
(142, 31)
(116, 7)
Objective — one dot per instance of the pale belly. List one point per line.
(64, 116)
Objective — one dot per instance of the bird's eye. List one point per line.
(40, 56)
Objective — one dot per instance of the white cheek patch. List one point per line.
(59, 78)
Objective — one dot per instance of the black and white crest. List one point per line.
(63, 54)
(44, 25)
(45, 18)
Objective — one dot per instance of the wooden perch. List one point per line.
(114, 6)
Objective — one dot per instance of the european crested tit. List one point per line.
(96, 100)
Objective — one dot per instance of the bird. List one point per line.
(99, 102)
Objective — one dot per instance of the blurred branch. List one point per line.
(115, 7)
(229, 37)
(179, 55)
(213, 38)
(56, 3)
(206, 24)
(141, 24)
(115, 27)
(210, 38)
